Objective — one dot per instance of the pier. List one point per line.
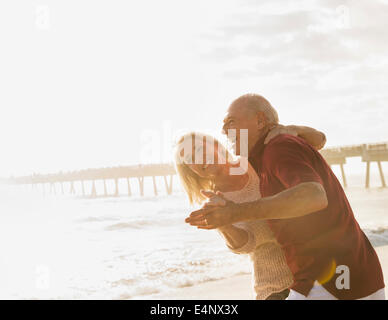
(49, 182)
(54, 183)
(369, 153)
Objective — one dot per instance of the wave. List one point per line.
(183, 283)
(128, 225)
(142, 223)
(134, 289)
(377, 236)
(96, 219)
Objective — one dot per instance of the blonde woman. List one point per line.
(204, 165)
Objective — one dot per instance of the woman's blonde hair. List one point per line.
(192, 182)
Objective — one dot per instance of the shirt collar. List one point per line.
(257, 150)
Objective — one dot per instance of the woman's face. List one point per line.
(204, 159)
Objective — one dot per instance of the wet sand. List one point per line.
(238, 287)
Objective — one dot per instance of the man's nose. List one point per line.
(224, 130)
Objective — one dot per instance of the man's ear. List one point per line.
(261, 120)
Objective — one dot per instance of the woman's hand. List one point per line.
(217, 212)
(280, 129)
(214, 199)
(314, 137)
(235, 237)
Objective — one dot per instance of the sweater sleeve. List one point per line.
(258, 233)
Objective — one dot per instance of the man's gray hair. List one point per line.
(257, 103)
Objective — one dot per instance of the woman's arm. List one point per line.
(245, 237)
(234, 237)
(237, 239)
(314, 137)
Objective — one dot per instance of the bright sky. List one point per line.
(88, 83)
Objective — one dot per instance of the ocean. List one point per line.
(70, 247)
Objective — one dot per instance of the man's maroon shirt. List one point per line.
(318, 242)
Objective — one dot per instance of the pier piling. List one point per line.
(105, 189)
(129, 188)
(154, 183)
(383, 184)
(93, 193)
(141, 185)
(116, 187)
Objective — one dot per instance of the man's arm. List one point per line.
(298, 201)
(289, 161)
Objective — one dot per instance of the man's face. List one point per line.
(239, 117)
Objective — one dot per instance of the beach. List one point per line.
(239, 287)
(66, 247)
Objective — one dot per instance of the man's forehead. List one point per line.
(235, 111)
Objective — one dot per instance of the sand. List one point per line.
(238, 287)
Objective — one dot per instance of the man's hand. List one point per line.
(217, 212)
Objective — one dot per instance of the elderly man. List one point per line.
(306, 208)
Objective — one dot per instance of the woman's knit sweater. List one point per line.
(270, 270)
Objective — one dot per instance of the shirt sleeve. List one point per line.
(291, 162)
